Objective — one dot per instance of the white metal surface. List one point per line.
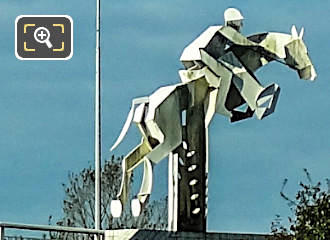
(173, 192)
(98, 121)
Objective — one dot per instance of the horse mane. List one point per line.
(273, 42)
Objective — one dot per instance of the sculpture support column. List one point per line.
(188, 208)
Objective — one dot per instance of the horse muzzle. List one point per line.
(307, 73)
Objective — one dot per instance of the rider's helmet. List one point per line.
(233, 18)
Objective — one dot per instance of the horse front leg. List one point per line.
(260, 99)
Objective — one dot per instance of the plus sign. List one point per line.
(42, 35)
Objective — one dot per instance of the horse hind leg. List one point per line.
(138, 203)
(156, 121)
(161, 127)
(163, 122)
(131, 161)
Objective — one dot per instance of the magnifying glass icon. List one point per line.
(42, 35)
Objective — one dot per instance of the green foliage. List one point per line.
(78, 204)
(311, 209)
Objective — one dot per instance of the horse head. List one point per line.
(288, 49)
(297, 56)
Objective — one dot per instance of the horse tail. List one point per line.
(129, 120)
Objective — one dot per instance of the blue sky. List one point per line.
(47, 107)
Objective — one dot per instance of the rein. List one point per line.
(263, 53)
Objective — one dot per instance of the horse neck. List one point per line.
(274, 44)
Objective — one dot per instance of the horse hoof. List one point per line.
(267, 100)
(116, 208)
(136, 207)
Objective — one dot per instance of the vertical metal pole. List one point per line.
(98, 123)
(173, 192)
(2, 233)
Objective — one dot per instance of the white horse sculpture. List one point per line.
(218, 83)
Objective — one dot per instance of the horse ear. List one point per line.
(301, 34)
(294, 31)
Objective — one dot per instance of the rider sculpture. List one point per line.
(219, 78)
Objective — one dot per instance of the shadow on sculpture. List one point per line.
(218, 78)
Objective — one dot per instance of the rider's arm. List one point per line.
(235, 37)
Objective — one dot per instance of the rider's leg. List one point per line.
(219, 86)
(223, 97)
